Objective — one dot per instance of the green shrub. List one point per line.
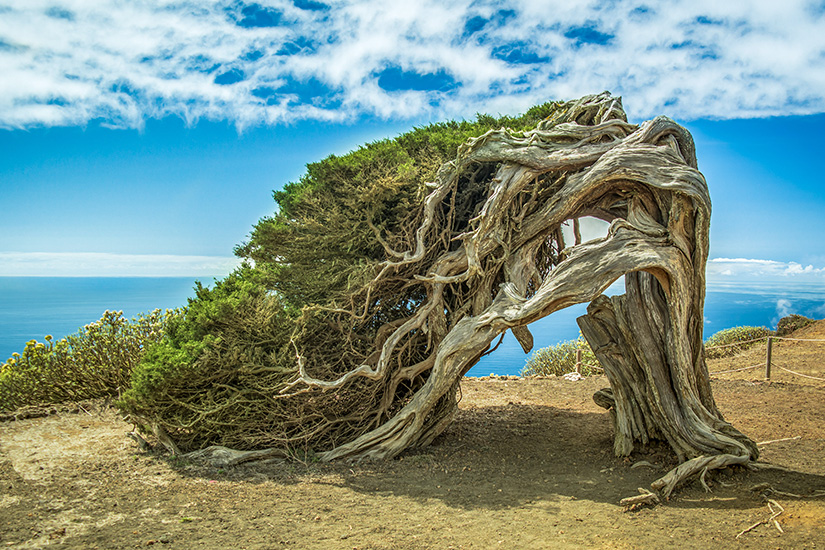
(561, 359)
(96, 361)
(323, 242)
(216, 374)
(735, 340)
(792, 323)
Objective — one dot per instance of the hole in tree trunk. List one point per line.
(589, 229)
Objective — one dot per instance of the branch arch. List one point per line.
(484, 252)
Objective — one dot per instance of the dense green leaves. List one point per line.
(229, 343)
(321, 245)
(792, 323)
(217, 373)
(312, 268)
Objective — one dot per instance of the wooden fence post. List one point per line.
(579, 361)
(768, 359)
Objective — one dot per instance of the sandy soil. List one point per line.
(527, 463)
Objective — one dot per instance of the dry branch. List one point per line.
(772, 519)
(645, 497)
(779, 440)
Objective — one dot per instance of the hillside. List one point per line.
(527, 463)
(798, 353)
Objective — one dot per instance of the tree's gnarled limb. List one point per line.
(484, 254)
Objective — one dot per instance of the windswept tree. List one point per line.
(388, 272)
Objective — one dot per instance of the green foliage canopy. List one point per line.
(324, 241)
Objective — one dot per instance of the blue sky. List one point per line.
(145, 138)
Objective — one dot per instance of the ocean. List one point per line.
(31, 307)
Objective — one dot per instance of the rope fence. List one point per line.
(800, 374)
(579, 363)
(769, 362)
(737, 370)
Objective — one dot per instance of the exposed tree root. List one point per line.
(698, 466)
(222, 457)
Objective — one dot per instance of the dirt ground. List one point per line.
(527, 463)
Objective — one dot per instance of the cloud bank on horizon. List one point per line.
(70, 62)
(95, 264)
(746, 269)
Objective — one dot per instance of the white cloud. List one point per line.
(68, 62)
(783, 308)
(40, 264)
(726, 269)
(589, 229)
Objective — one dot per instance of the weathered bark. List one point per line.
(653, 360)
(510, 266)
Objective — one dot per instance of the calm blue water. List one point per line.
(31, 307)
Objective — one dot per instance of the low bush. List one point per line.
(96, 361)
(561, 359)
(215, 376)
(735, 340)
(792, 323)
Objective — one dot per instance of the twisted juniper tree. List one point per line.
(387, 273)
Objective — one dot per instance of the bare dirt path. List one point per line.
(527, 463)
